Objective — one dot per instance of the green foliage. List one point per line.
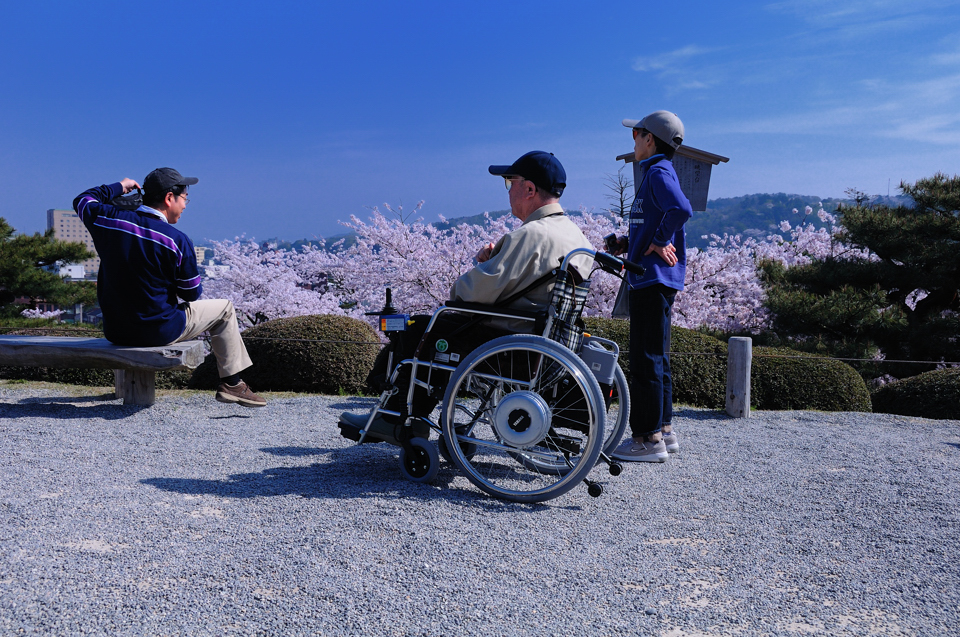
(699, 367)
(858, 307)
(318, 354)
(22, 259)
(779, 380)
(933, 394)
(86, 377)
(700, 373)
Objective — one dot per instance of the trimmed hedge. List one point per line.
(699, 380)
(808, 382)
(933, 394)
(287, 357)
(700, 373)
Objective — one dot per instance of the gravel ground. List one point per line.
(196, 518)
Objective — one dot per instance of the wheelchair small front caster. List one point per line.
(595, 489)
(616, 468)
(419, 460)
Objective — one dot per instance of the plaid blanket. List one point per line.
(567, 300)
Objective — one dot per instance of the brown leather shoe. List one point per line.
(240, 394)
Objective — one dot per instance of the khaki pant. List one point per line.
(219, 318)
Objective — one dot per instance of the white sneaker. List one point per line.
(670, 440)
(631, 451)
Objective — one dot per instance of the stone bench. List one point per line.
(134, 367)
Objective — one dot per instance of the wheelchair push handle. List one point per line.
(615, 265)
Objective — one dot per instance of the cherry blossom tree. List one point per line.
(421, 262)
(265, 284)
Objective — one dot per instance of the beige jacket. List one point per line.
(523, 256)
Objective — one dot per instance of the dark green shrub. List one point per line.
(320, 354)
(700, 373)
(933, 394)
(699, 368)
(88, 377)
(808, 382)
(699, 361)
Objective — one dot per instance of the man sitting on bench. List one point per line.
(519, 259)
(146, 264)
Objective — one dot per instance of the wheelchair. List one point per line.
(526, 416)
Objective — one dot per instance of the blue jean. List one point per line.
(651, 385)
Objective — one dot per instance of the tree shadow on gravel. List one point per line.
(363, 404)
(359, 472)
(63, 408)
(691, 413)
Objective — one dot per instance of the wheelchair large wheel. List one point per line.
(617, 399)
(524, 405)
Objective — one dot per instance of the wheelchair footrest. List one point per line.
(382, 431)
(351, 432)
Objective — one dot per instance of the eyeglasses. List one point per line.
(186, 199)
(508, 181)
(640, 131)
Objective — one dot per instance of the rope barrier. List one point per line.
(623, 351)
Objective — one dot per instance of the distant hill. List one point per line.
(760, 215)
(756, 216)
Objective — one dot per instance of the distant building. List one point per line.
(68, 227)
(72, 271)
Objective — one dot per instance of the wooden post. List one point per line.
(137, 386)
(739, 355)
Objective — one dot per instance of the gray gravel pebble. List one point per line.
(196, 518)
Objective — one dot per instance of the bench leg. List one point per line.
(135, 386)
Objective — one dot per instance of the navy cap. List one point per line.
(163, 179)
(542, 168)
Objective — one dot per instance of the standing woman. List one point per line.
(656, 241)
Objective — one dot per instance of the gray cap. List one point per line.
(664, 125)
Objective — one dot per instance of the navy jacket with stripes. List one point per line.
(145, 265)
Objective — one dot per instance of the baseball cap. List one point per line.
(664, 125)
(540, 167)
(163, 179)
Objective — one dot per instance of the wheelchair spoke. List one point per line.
(527, 416)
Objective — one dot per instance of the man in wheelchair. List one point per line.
(514, 273)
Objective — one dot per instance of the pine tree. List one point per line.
(24, 260)
(902, 301)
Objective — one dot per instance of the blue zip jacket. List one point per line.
(145, 264)
(657, 216)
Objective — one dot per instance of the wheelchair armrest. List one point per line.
(499, 309)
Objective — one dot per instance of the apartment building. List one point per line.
(68, 227)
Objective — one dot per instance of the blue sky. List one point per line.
(297, 115)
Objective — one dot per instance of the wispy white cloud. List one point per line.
(681, 69)
(950, 56)
(826, 11)
(672, 61)
(922, 111)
